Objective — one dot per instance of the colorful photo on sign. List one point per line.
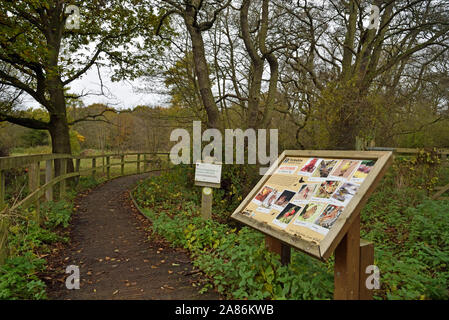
(309, 167)
(305, 192)
(345, 193)
(329, 215)
(310, 212)
(262, 195)
(363, 170)
(287, 215)
(283, 200)
(269, 201)
(326, 189)
(345, 169)
(324, 169)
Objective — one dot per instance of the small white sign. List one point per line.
(208, 172)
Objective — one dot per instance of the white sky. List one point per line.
(118, 94)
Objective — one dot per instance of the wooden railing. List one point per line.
(444, 156)
(150, 161)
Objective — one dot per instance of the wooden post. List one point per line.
(48, 178)
(2, 190)
(145, 163)
(347, 264)
(94, 165)
(366, 259)
(108, 168)
(276, 246)
(3, 239)
(206, 203)
(138, 163)
(122, 168)
(33, 184)
(77, 169)
(3, 220)
(103, 160)
(62, 184)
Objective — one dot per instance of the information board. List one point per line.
(207, 174)
(308, 198)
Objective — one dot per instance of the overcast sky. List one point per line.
(119, 94)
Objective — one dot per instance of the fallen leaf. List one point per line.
(115, 292)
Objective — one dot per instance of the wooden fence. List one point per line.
(409, 151)
(38, 191)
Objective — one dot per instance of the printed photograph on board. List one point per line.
(309, 167)
(345, 169)
(324, 169)
(326, 189)
(266, 205)
(305, 192)
(288, 214)
(345, 193)
(283, 200)
(363, 170)
(329, 216)
(262, 195)
(310, 212)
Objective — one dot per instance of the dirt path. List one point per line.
(110, 244)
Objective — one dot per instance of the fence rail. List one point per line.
(409, 151)
(150, 161)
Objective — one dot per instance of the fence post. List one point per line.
(94, 165)
(145, 163)
(108, 168)
(138, 163)
(122, 167)
(3, 220)
(62, 184)
(2, 190)
(48, 178)
(33, 183)
(102, 159)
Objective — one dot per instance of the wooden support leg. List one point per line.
(366, 259)
(276, 246)
(122, 168)
(206, 203)
(347, 264)
(145, 163)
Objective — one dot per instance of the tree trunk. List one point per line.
(60, 140)
(202, 74)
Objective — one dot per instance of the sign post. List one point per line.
(208, 176)
(311, 200)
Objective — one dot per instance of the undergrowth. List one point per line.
(30, 240)
(410, 233)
